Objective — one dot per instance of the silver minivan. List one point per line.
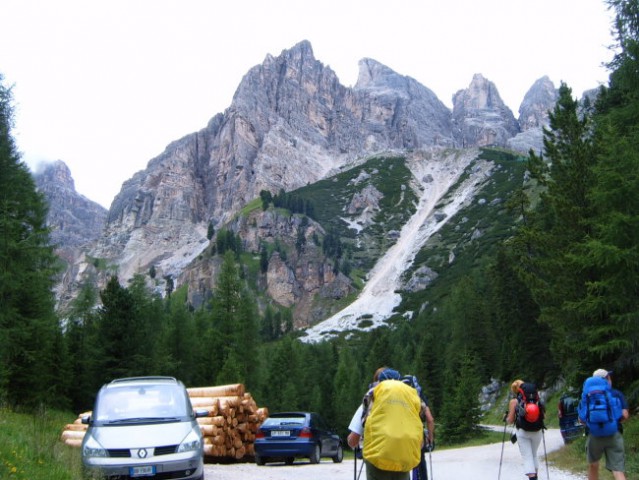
(143, 427)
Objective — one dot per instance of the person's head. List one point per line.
(378, 372)
(602, 373)
(385, 373)
(514, 387)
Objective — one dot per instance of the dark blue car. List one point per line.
(569, 424)
(290, 435)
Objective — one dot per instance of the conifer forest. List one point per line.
(554, 301)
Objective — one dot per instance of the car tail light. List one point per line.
(306, 433)
(260, 433)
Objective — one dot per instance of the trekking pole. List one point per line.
(430, 460)
(355, 474)
(503, 440)
(355, 463)
(543, 437)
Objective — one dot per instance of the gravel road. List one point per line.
(478, 463)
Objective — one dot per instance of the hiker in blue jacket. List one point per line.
(612, 447)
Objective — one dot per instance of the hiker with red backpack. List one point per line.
(390, 424)
(526, 411)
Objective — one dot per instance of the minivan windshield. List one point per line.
(140, 403)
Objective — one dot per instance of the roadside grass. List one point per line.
(572, 457)
(31, 447)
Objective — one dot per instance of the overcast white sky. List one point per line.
(105, 85)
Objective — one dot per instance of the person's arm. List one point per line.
(430, 424)
(624, 408)
(510, 416)
(356, 427)
(353, 440)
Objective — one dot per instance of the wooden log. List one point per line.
(73, 442)
(213, 410)
(201, 402)
(216, 420)
(240, 452)
(209, 430)
(210, 450)
(76, 427)
(253, 418)
(231, 400)
(242, 427)
(236, 389)
(72, 435)
(219, 439)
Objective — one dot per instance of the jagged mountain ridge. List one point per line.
(291, 123)
(74, 220)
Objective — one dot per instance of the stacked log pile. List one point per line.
(234, 417)
(73, 433)
(228, 430)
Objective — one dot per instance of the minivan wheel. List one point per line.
(315, 454)
(339, 456)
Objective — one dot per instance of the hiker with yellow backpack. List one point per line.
(390, 423)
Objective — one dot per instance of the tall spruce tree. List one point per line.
(611, 252)
(30, 368)
(547, 243)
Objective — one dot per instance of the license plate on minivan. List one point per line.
(144, 471)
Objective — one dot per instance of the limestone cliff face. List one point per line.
(74, 219)
(533, 116)
(480, 116)
(298, 276)
(398, 111)
(290, 123)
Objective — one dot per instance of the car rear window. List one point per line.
(284, 421)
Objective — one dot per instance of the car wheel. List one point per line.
(259, 460)
(339, 456)
(315, 454)
(289, 460)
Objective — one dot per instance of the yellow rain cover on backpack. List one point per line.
(393, 432)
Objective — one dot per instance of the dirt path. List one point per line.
(478, 463)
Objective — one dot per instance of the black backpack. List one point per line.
(529, 413)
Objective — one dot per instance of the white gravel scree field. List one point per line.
(478, 463)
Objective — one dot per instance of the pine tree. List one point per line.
(562, 219)
(30, 366)
(461, 413)
(610, 302)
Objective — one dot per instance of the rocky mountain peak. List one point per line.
(538, 101)
(533, 116)
(55, 176)
(480, 94)
(373, 74)
(481, 117)
(74, 220)
(290, 124)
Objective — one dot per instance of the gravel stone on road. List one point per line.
(478, 463)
